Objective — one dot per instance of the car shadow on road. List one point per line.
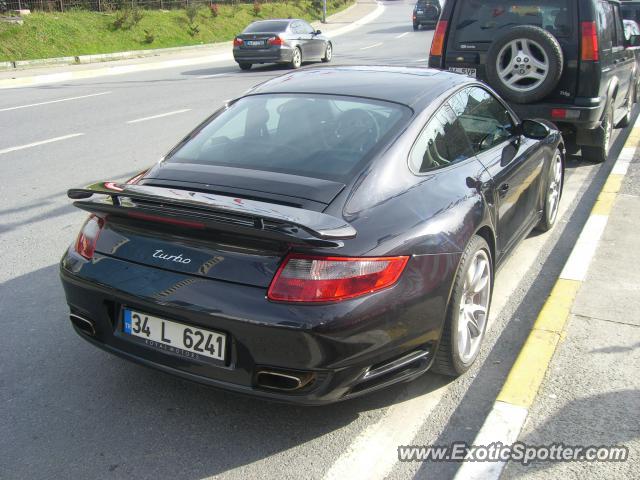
(74, 411)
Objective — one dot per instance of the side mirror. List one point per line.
(534, 129)
(318, 32)
(634, 41)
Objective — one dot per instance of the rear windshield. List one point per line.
(267, 26)
(483, 20)
(321, 136)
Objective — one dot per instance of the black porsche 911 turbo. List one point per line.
(329, 233)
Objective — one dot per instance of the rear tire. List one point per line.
(296, 59)
(416, 27)
(599, 154)
(452, 358)
(245, 66)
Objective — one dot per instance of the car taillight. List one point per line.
(437, 44)
(304, 278)
(589, 47)
(237, 42)
(88, 236)
(561, 113)
(275, 41)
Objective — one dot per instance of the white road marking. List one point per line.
(53, 101)
(502, 425)
(422, 60)
(355, 25)
(375, 451)
(403, 35)
(41, 142)
(371, 46)
(622, 164)
(584, 249)
(152, 117)
(214, 75)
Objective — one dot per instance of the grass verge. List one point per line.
(47, 35)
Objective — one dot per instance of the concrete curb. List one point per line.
(152, 52)
(510, 410)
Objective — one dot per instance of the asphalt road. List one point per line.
(72, 411)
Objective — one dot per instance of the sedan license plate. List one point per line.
(173, 337)
(471, 72)
(420, 12)
(254, 43)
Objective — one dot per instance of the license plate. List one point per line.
(254, 43)
(174, 337)
(471, 72)
(420, 12)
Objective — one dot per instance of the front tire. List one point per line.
(554, 193)
(296, 59)
(328, 53)
(468, 311)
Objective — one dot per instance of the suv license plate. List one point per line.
(471, 72)
(173, 337)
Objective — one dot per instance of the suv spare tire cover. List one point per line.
(524, 64)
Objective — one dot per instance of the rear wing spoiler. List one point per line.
(279, 222)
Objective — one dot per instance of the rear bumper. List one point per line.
(583, 113)
(280, 55)
(340, 344)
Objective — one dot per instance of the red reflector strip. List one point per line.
(437, 44)
(169, 220)
(589, 42)
(558, 113)
(303, 278)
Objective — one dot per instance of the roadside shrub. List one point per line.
(257, 8)
(122, 19)
(214, 8)
(149, 37)
(136, 16)
(192, 28)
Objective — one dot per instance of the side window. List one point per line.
(606, 28)
(485, 120)
(441, 143)
(306, 28)
(619, 27)
(295, 27)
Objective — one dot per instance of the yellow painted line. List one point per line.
(555, 312)
(613, 183)
(528, 371)
(604, 204)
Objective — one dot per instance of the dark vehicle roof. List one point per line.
(412, 86)
(273, 24)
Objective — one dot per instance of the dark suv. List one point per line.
(426, 13)
(562, 60)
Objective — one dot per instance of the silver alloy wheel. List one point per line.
(608, 131)
(522, 65)
(297, 58)
(555, 185)
(474, 303)
(328, 52)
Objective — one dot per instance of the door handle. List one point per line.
(504, 188)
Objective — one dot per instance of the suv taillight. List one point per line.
(589, 46)
(237, 42)
(304, 278)
(437, 44)
(88, 236)
(275, 41)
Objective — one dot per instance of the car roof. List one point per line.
(415, 87)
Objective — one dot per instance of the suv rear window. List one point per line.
(318, 136)
(482, 20)
(630, 12)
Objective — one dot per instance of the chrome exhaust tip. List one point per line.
(286, 382)
(82, 324)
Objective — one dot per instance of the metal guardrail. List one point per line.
(112, 5)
